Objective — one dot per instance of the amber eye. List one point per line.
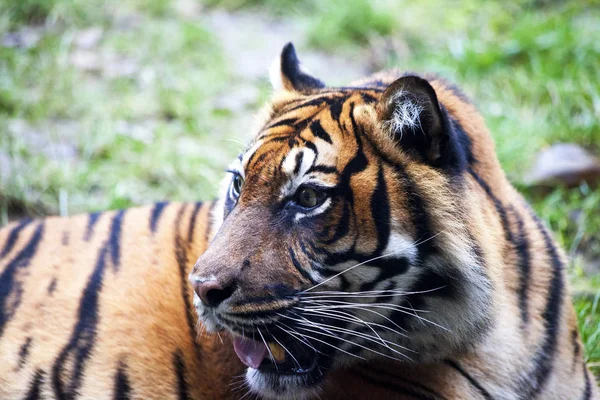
(238, 182)
(309, 197)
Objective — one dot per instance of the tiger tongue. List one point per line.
(250, 352)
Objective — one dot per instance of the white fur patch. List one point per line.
(400, 245)
(294, 387)
(288, 166)
(275, 74)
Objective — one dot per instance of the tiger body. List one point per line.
(418, 273)
(98, 307)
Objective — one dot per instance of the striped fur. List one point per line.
(420, 274)
(109, 314)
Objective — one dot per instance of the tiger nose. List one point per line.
(212, 293)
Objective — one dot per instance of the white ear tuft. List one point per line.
(406, 113)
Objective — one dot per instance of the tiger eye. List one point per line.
(308, 198)
(238, 182)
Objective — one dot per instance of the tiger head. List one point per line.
(342, 232)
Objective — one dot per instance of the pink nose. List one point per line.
(211, 293)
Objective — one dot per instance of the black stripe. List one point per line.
(11, 289)
(310, 256)
(355, 89)
(300, 125)
(311, 146)
(92, 220)
(342, 226)
(13, 236)
(155, 215)
(81, 343)
(313, 102)
(587, 391)
(114, 240)
(522, 249)
(317, 129)
(323, 169)
(279, 139)
(300, 268)
(394, 387)
(182, 262)
(367, 98)
(576, 348)
(35, 387)
(544, 357)
(520, 243)
(299, 158)
(249, 162)
(380, 211)
(335, 109)
(420, 219)
(253, 162)
(497, 204)
(289, 122)
(446, 284)
(122, 388)
(471, 380)
(24, 352)
(193, 219)
(179, 366)
(52, 286)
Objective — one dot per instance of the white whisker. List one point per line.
(289, 331)
(369, 293)
(348, 317)
(382, 306)
(327, 344)
(381, 341)
(352, 343)
(330, 304)
(268, 349)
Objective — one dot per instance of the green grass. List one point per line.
(588, 317)
(135, 138)
(155, 133)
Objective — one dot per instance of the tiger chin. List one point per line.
(372, 225)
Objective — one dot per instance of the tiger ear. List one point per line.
(410, 113)
(288, 73)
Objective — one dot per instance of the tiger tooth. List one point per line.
(277, 352)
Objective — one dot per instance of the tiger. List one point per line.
(366, 244)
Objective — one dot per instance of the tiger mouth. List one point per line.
(280, 355)
(278, 362)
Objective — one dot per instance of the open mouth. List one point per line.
(282, 356)
(282, 366)
(284, 362)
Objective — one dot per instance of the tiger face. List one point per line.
(342, 235)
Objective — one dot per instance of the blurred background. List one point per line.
(111, 104)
